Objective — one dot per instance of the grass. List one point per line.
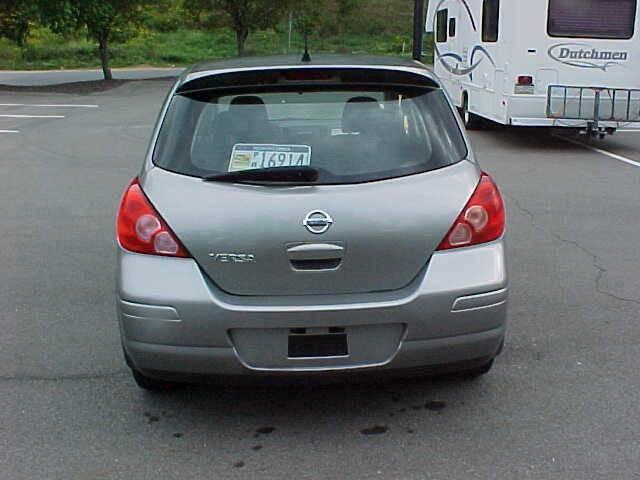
(46, 50)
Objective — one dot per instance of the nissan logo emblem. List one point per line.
(317, 222)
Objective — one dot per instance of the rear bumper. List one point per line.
(164, 360)
(174, 320)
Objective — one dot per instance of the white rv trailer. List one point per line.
(561, 63)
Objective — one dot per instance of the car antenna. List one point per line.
(306, 58)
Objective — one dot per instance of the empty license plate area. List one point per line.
(316, 348)
(314, 344)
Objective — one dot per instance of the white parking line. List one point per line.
(615, 156)
(9, 131)
(32, 116)
(47, 105)
(629, 130)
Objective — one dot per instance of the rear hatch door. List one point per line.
(252, 239)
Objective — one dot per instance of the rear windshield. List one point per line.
(349, 135)
(614, 19)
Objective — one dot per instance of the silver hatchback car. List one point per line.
(299, 218)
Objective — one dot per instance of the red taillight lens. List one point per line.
(525, 80)
(141, 229)
(481, 221)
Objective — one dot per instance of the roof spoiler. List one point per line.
(301, 76)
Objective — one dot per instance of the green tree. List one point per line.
(307, 18)
(243, 16)
(15, 19)
(325, 18)
(346, 8)
(104, 21)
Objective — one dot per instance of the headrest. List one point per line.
(247, 100)
(249, 110)
(356, 112)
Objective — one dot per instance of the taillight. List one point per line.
(481, 221)
(525, 80)
(141, 229)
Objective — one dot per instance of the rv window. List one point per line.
(452, 27)
(441, 26)
(592, 19)
(490, 17)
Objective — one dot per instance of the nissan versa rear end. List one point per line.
(303, 218)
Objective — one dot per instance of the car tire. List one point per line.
(479, 371)
(471, 120)
(145, 382)
(152, 384)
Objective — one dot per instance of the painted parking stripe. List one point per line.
(615, 156)
(628, 130)
(9, 131)
(47, 105)
(32, 116)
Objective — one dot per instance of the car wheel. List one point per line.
(471, 120)
(479, 371)
(152, 384)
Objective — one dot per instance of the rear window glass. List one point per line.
(350, 135)
(613, 19)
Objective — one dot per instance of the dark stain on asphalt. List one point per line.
(435, 405)
(255, 448)
(410, 430)
(265, 430)
(416, 407)
(375, 430)
(153, 419)
(178, 435)
(239, 464)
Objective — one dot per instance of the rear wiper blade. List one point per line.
(274, 174)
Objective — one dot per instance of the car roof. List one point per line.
(292, 61)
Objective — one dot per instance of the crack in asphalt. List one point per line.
(595, 259)
(62, 378)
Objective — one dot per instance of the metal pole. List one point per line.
(290, 30)
(418, 28)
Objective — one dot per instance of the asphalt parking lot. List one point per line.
(561, 403)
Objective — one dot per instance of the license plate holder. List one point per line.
(318, 345)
